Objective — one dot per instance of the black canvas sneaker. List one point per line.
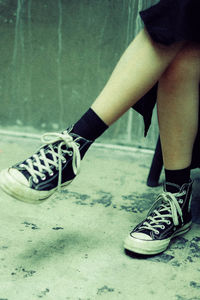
(53, 166)
(169, 217)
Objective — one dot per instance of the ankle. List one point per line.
(176, 178)
(90, 126)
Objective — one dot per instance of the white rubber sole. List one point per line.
(22, 192)
(152, 247)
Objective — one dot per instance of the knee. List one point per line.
(186, 65)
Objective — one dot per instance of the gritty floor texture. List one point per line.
(71, 246)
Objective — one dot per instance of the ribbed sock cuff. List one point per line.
(178, 177)
(90, 126)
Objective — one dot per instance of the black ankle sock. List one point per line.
(90, 126)
(178, 177)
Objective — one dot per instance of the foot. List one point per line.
(169, 217)
(53, 166)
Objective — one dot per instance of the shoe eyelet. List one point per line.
(51, 173)
(43, 177)
(163, 226)
(157, 232)
(64, 161)
(168, 222)
(70, 153)
(35, 180)
(180, 201)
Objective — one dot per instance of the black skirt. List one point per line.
(167, 22)
(170, 21)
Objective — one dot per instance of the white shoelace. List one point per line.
(168, 208)
(57, 156)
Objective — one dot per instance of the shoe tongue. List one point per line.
(168, 187)
(171, 187)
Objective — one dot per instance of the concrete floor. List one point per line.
(71, 246)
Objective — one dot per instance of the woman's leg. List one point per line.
(178, 107)
(139, 68)
(137, 71)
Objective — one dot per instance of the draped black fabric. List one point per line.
(167, 22)
(170, 21)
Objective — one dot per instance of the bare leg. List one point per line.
(137, 71)
(178, 107)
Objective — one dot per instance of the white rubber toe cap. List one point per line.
(141, 236)
(18, 176)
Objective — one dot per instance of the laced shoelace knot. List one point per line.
(51, 156)
(166, 207)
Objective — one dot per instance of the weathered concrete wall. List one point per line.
(56, 56)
